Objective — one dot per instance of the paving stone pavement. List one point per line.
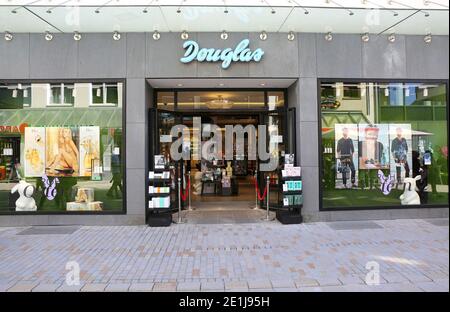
(413, 255)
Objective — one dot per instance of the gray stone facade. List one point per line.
(137, 57)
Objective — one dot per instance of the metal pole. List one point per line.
(267, 218)
(190, 186)
(256, 191)
(180, 219)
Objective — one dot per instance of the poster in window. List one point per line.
(346, 147)
(373, 147)
(34, 165)
(62, 154)
(400, 136)
(89, 149)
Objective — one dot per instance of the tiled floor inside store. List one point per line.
(411, 255)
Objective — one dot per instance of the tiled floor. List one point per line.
(412, 255)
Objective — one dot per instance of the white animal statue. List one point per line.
(410, 196)
(25, 202)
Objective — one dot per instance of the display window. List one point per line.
(384, 144)
(61, 147)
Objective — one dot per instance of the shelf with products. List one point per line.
(291, 194)
(159, 196)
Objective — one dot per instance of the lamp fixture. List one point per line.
(291, 36)
(25, 93)
(76, 36)
(386, 91)
(48, 36)
(224, 35)
(14, 93)
(184, 35)
(428, 38)
(9, 36)
(116, 36)
(263, 36)
(392, 38)
(219, 103)
(156, 35)
(329, 36)
(365, 37)
(425, 92)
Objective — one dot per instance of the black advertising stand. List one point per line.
(159, 217)
(292, 200)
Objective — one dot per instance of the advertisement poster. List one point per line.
(62, 154)
(34, 152)
(346, 140)
(374, 146)
(89, 149)
(400, 138)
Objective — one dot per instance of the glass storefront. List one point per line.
(382, 140)
(61, 147)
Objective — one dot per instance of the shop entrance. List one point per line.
(220, 186)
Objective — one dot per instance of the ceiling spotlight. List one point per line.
(77, 36)
(351, 13)
(48, 36)
(365, 37)
(306, 12)
(427, 14)
(395, 14)
(291, 36)
(273, 11)
(184, 35)
(178, 10)
(14, 11)
(49, 11)
(145, 10)
(156, 35)
(225, 11)
(391, 38)
(8, 36)
(428, 38)
(224, 35)
(97, 11)
(116, 36)
(328, 36)
(263, 36)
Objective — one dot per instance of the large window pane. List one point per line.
(376, 136)
(60, 159)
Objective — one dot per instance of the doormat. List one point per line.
(438, 222)
(354, 225)
(49, 230)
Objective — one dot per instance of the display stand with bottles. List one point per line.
(159, 198)
(291, 189)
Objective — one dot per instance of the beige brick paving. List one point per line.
(413, 255)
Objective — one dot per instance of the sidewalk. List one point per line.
(413, 255)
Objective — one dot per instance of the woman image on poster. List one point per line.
(66, 160)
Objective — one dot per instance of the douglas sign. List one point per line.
(241, 53)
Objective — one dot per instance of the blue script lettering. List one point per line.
(241, 53)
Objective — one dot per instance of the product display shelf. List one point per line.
(290, 213)
(158, 216)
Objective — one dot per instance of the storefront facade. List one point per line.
(312, 64)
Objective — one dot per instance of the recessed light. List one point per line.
(116, 36)
(392, 38)
(221, 84)
(263, 36)
(8, 36)
(291, 36)
(48, 36)
(184, 35)
(365, 37)
(224, 35)
(77, 36)
(262, 84)
(179, 85)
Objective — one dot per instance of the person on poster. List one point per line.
(68, 155)
(399, 150)
(371, 150)
(345, 150)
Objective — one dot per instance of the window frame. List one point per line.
(320, 81)
(124, 210)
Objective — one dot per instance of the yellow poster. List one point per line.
(89, 149)
(34, 152)
(62, 154)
